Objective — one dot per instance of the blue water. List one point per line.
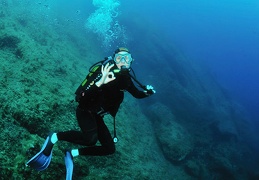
(223, 34)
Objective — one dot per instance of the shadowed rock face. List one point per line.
(9, 42)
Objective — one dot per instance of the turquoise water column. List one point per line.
(104, 23)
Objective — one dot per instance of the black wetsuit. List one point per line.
(95, 102)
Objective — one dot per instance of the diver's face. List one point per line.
(123, 59)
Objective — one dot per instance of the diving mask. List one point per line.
(123, 57)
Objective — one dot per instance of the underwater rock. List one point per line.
(225, 126)
(174, 140)
(193, 168)
(227, 130)
(221, 166)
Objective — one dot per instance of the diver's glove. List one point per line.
(149, 90)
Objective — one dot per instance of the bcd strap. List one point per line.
(115, 139)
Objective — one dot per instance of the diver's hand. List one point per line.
(149, 90)
(107, 76)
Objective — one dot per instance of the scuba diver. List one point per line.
(100, 93)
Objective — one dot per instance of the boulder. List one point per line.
(174, 140)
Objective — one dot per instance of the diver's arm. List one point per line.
(134, 91)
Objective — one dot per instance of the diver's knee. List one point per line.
(111, 149)
(90, 140)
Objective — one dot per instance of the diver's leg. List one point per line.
(104, 136)
(88, 134)
(107, 147)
